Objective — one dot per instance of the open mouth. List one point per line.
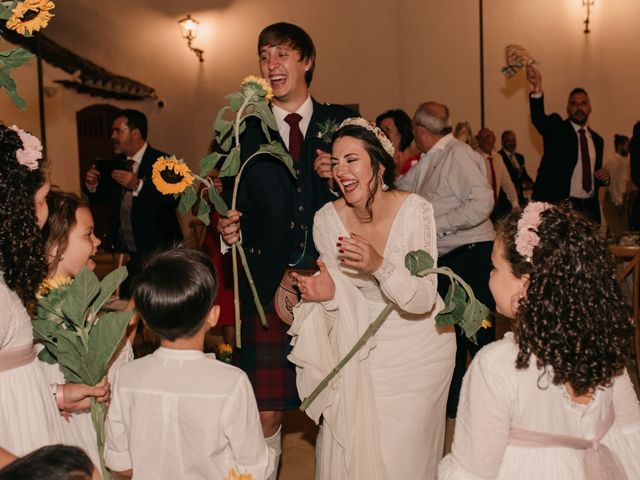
(91, 264)
(277, 80)
(349, 185)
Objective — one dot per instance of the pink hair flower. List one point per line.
(527, 235)
(31, 150)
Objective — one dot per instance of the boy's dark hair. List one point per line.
(136, 119)
(283, 33)
(175, 291)
(53, 462)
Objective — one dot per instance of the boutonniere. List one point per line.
(326, 130)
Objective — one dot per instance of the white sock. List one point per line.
(275, 442)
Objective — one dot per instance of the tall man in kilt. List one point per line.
(277, 213)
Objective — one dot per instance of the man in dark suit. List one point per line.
(571, 165)
(514, 162)
(142, 219)
(277, 213)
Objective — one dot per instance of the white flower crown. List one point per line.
(380, 135)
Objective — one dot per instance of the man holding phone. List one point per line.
(142, 219)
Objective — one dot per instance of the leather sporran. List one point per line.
(288, 295)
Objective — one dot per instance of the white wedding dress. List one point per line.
(383, 415)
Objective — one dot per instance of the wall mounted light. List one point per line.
(588, 4)
(189, 30)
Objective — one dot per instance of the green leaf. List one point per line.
(235, 100)
(217, 201)
(108, 285)
(15, 57)
(12, 90)
(47, 356)
(187, 200)
(266, 115)
(417, 262)
(6, 9)
(474, 314)
(221, 126)
(44, 330)
(104, 339)
(72, 359)
(208, 163)
(83, 290)
(204, 212)
(455, 305)
(276, 149)
(231, 164)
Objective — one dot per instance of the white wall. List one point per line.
(378, 53)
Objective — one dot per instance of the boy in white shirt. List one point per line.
(178, 413)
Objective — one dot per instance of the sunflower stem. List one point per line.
(236, 293)
(252, 285)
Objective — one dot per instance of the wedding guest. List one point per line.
(616, 206)
(384, 416)
(396, 124)
(178, 413)
(515, 165)
(28, 413)
(552, 399)
(277, 214)
(634, 160)
(70, 245)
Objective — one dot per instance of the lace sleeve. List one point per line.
(412, 294)
(324, 236)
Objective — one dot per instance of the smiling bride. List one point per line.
(383, 416)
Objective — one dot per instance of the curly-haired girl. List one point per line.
(553, 399)
(27, 404)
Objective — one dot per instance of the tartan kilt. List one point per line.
(263, 357)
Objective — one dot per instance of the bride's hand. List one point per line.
(356, 252)
(316, 288)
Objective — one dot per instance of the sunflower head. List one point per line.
(256, 88)
(234, 475)
(50, 284)
(171, 176)
(30, 16)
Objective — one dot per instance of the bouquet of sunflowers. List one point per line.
(173, 176)
(78, 339)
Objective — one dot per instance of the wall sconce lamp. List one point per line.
(588, 4)
(189, 30)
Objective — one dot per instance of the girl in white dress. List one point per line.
(553, 399)
(383, 416)
(71, 245)
(28, 413)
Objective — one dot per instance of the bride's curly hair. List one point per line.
(574, 318)
(22, 260)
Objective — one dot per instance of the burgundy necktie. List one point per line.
(494, 184)
(295, 135)
(586, 161)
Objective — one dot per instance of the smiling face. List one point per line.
(81, 247)
(579, 108)
(352, 170)
(285, 71)
(506, 288)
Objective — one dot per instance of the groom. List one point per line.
(277, 213)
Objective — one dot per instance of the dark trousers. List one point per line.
(473, 263)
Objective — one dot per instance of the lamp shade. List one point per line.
(189, 27)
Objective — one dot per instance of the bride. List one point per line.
(383, 415)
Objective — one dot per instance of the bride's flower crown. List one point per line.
(31, 150)
(380, 135)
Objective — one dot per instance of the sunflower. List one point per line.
(486, 323)
(234, 475)
(30, 16)
(49, 284)
(257, 86)
(171, 175)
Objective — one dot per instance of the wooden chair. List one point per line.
(631, 255)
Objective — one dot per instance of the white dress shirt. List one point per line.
(180, 414)
(451, 176)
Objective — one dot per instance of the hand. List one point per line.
(93, 176)
(356, 252)
(126, 179)
(77, 396)
(316, 288)
(535, 79)
(603, 175)
(229, 228)
(322, 164)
